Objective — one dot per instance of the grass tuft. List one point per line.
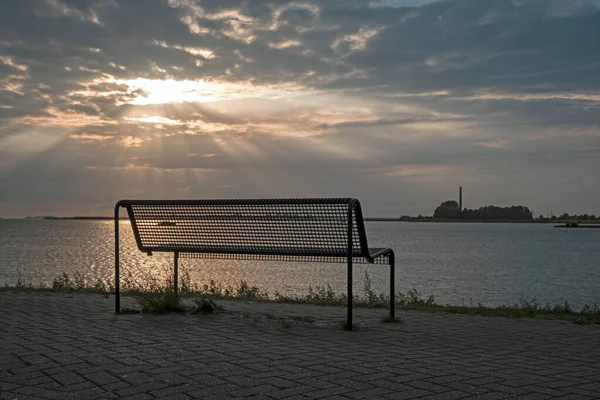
(156, 294)
(204, 305)
(161, 302)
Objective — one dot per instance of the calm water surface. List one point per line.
(458, 263)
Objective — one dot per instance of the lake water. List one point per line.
(458, 263)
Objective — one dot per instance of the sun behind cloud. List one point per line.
(156, 91)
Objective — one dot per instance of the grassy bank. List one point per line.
(157, 295)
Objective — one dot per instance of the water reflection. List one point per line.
(458, 263)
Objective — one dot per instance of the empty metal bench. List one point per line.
(311, 230)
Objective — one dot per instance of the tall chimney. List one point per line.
(460, 198)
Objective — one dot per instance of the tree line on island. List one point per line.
(450, 210)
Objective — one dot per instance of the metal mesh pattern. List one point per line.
(356, 260)
(312, 230)
(283, 227)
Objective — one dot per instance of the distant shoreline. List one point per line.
(77, 218)
(431, 220)
(60, 218)
(366, 219)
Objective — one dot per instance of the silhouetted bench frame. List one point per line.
(310, 230)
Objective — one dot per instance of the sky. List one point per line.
(394, 102)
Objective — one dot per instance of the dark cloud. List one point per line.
(387, 122)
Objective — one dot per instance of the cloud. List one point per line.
(89, 137)
(423, 171)
(387, 122)
(357, 41)
(285, 44)
(58, 9)
(298, 97)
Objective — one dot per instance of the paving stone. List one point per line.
(252, 391)
(498, 387)
(353, 384)
(300, 390)
(141, 396)
(534, 396)
(333, 391)
(248, 352)
(282, 383)
(467, 388)
(545, 390)
(407, 394)
(113, 386)
(90, 392)
(491, 396)
(178, 396)
(23, 377)
(450, 395)
(77, 386)
(217, 391)
(430, 387)
(368, 394)
(67, 378)
(136, 377)
(143, 388)
(241, 380)
(101, 378)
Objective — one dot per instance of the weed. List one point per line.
(414, 299)
(324, 295)
(23, 285)
(160, 302)
(64, 283)
(246, 292)
(369, 294)
(61, 282)
(204, 305)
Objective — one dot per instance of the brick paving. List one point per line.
(59, 346)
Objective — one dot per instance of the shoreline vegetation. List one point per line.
(447, 220)
(156, 295)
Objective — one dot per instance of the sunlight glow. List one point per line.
(154, 120)
(193, 126)
(423, 170)
(173, 91)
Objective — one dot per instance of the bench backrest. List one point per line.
(286, 227)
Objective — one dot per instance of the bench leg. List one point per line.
(117, 274)
(349, 311)
(176, 272)
(392, 259)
